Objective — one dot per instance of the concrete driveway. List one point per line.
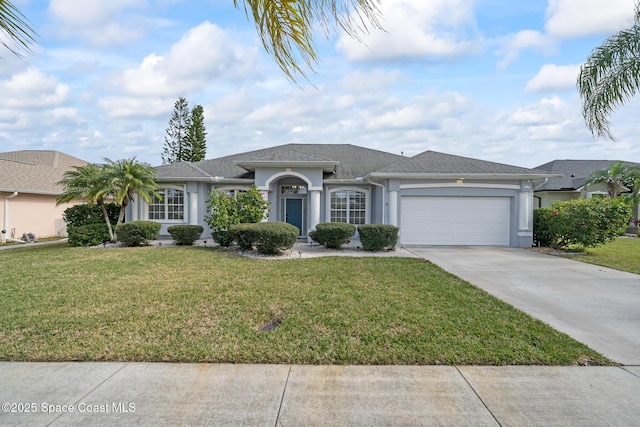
(598, 306)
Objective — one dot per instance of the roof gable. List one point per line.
(352, 161)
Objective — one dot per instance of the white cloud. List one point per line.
(525, 39)
(578, 18)
(31, 89)
(136, 108)
(554, 77)
(204, 54)
(417, 30)
(97, 22)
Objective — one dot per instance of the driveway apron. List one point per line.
(597, 306)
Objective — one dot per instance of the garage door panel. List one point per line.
(455, 221)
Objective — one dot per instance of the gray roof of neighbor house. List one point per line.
(574, 173)
(35, 171)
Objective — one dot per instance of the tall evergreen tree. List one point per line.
(176, 142)
(197, 135)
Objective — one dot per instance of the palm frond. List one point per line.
(610, 77)
(15, 25)
(286, 26)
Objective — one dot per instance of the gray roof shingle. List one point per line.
(433, 162)
(575, 172)
(353, 161)
(35, 171)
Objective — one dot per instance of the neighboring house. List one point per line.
(435, 198)
(28, 192)
(571, 185)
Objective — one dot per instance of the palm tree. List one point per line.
(128, 177)
(14, 24)
(609, 77)
(285, 27)
(87, 183)
(617, 178)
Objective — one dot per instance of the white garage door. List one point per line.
(455, 221)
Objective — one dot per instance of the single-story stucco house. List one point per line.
(434, 198)
(570, 185)
(28, 192)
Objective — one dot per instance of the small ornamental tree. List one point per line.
(247, 207)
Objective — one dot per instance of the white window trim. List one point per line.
(185, 212)
(367, 204)
(590, 194)
(231, 187)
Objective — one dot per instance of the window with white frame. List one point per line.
(349, 206)
(233, 192)
(169, 207)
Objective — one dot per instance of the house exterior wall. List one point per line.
(383, 198)
(33, 213)
(545, 198)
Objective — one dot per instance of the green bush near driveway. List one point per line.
(583, 222)
(333, 234)
(137, 233)
(376, 237)
(184, 234)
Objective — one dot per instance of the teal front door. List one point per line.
(293, 212)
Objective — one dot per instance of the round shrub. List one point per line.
(90, 234)
(185, 234)
(137, 233)
(274, 237)
(244, 235)
(376, 237)
(333, 234)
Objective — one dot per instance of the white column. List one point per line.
(393, 208)
(314, 207)
(193, 208)
(526, 210)
(265, 197)
(135, 208)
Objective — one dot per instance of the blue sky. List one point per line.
(490, 79)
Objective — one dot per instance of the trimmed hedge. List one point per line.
(137, 233)
(267, 237)
(90, 234)
(276, 237)
(185, 234)
(333, 234)
(244, 235)
(78, 215)
(376, 237)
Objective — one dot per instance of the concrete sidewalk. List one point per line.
(151, 394)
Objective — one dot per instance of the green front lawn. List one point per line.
(199, 304)
(621, 254)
